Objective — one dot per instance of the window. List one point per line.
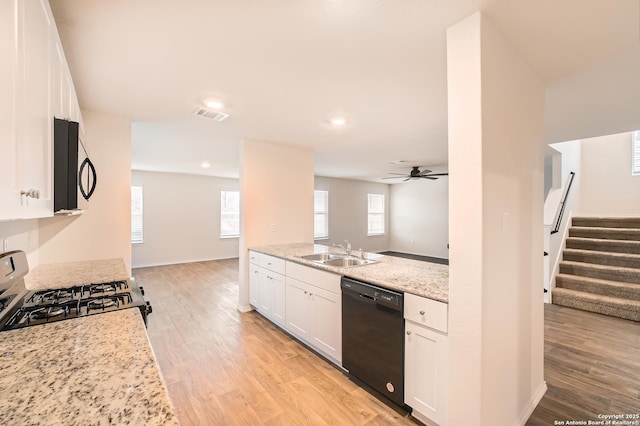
(320, 215)
(229, 214)
(136, 214)
(635, 153)
(376, 214)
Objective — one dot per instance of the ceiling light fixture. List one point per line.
(338, 121)
(398, 162)
(205, 164)
(214, 104)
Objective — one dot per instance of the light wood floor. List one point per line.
(222, 367)
(226, 368)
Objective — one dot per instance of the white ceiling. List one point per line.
(283, 68)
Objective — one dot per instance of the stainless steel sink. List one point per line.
(346, 262)
(322, 257)
(341, 260)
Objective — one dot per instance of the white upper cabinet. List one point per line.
(36, 86)
(34, 116)
(9, 197)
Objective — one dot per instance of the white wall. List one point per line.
(419, 222)
(276, 200)
(496, 185)
(104, 230)
(181, 219)
(348, 213)
(608, 188)
(21, 235)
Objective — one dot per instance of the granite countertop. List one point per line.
(93, 370)
(430, 280)
(60, 275)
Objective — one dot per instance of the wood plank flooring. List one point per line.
(592, 367)
(222, 367)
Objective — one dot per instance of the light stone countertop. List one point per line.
(93, 370)
(61, 275)
(430, 280)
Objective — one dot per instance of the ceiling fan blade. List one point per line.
(437, 174)
(424, 172)
(394, 177)
(429, 177)
(409, 178)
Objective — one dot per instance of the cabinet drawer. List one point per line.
(254, 257)
(272, 263)
(325, 280)
(427, 312)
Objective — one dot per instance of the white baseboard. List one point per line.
(244, 309)
(533, 404)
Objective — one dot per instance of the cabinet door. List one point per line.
(254, 285)
(278, 311)
(9, 196)
(297, 309)
(327, 322)
(265, 298)
(425, 375)
(35, 121)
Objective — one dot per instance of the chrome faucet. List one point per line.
(347, 249)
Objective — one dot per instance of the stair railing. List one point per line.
(563, 203)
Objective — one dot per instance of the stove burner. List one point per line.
(101, 288)
(4, 302)
(101, 303)
(56, 296)
(45, 313)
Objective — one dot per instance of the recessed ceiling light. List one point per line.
(398, 162)
(205, 164)
(214, 104)
(338, 121)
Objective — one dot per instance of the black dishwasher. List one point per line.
(373, 337)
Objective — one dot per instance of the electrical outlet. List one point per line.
(273, 227)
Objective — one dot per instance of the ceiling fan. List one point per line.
(416, 174)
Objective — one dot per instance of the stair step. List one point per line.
(606, 222)
(596, 286)
(603, 272)
(605, 233)
(618, 246)
(623, 260)
(612, 306)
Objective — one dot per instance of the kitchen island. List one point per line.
(93, 370)
(425, 279)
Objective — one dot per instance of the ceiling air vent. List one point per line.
(213, 115)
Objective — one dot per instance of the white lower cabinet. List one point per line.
(314, 315)
(426, 359)
(267, 286)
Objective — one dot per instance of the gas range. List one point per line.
(22, 308)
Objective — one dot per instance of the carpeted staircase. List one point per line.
(600, 270)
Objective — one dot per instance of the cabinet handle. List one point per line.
(408, 333)
(32, 193)
(422, 312)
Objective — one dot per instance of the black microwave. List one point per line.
(65, 164)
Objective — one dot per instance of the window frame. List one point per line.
(370, 213)
(225, 215)
(137, 215)
(324, 213)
